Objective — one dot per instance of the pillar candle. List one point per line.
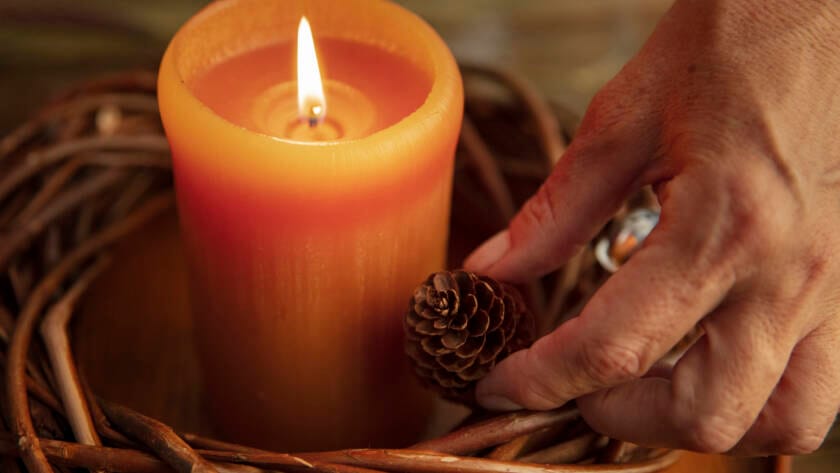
(305, 237)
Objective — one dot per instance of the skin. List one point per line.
(731, 111)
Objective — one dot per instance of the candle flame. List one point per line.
(312, 105)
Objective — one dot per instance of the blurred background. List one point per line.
(568, 48)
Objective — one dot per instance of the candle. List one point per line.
(307, 220)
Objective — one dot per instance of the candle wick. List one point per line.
(315, 115)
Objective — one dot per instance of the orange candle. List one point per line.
(308, 220)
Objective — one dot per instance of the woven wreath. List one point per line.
(94, 165)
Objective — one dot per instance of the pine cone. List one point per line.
(459, 325)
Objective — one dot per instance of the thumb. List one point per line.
(590, 182)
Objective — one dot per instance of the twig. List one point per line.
(130, 194)
(614, 451)
(527, 443)
(84, 220)
(75, 455)
(197, 441)
(487, 168)
(22, 425)
(496, 431)
(62, 204)
(51, 246)
(100, 422)
(127, 159)
(39, 391)
(54, 332)
(11, 208)
(176, 452)
(118, 460)
(566, 280)
(7, 326)
(570, 451)
(132, 461)
(73, 127)
(21, 277)
(413, 461)
(158, 437)
(510, 450)
(548, 127)
(40, 159)
(47, 191)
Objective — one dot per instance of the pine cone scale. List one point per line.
(472, 347)
(453, 340)
(479, 324)
(459, 321)
(459, 325)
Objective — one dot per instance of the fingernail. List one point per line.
(498, 403)
(489, 252)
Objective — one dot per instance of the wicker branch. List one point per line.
(159, 438)
(50, 188)
(496, 431)
(177, 453)
(69, 199)
(75, 455)
(413, 461)
(131, 461)
(524, 444)
(39, 160)
(100, 422)
(570, 451)
(546, 121)
(485, 164)
(54, 332)
(22, 335)
(615, 451)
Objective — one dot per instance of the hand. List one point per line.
(731, 110)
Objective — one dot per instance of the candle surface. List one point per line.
(367, 89)
(305, 243)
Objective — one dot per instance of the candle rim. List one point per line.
(445, 82)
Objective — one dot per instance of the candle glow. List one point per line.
(312, 105)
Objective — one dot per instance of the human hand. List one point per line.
(730, 110)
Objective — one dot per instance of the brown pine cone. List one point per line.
(459, 325)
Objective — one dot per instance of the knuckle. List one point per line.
(606, 115)
(756, 229)
(536, 396)
(600, 116)
(540, 392)
(763, 213)
(712, 434)
(796, 436)
(800, 442)
(819, 264)
(540, 212)
(607, 364)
